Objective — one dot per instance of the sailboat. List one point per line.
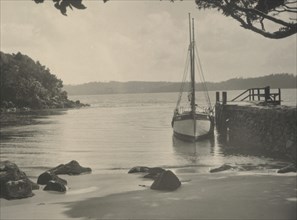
(194, 122)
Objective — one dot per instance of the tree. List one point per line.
(254, 15)
(26, 83)
(258, 15)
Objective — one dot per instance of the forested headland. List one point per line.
(26, 84)
(280, 80)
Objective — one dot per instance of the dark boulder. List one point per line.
(154, 172)
(71, 168)
(45, 177)
(18, 189)
(287, 169)
(151, 176)
(139, 169)
(55, 186)
(10, 184)
(221, 168)
(10, 171)
(166, 181)
(34, 186)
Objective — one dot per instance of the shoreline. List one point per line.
(225, 195)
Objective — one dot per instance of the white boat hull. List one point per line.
(185, 128)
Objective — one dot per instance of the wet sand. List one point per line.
(226, 195)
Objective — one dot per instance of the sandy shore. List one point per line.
(230, 195)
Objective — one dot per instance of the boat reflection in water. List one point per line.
(198, 156)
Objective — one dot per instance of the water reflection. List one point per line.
(193, 148)
(28, 118)
(192, 151)
(214, 152)
(228, 147)
(21, 126)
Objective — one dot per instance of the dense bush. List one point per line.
(26, 83)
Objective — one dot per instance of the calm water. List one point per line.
(116, 133)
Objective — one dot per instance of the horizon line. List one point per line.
(160, 81)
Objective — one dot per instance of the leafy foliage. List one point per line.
(62, 5)
(25, 83)
(254, 15)
(258, 15)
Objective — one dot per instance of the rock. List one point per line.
(71, 168)
(45, 177)
(166, 181)
(34, 186)
(287, 169)
(55, 186)
(10, 171)
(139, 169)
(18, 189)
(151, 176)
(14, 183)
(221, 168)
(154, 172)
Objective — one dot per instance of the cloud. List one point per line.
(143, 40)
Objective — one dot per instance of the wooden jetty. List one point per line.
(255, 118)
(260, 95)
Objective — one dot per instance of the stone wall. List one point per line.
(269, 128)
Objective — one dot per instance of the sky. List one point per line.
(138, 40)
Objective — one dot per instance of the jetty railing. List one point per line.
(260, 94)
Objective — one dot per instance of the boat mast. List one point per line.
(192, 66)
(192, 57)
(193, 106)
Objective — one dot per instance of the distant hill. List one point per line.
(282, 80)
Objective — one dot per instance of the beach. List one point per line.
(226, 195)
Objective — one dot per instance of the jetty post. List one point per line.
(224, 98)
(220, 116)
(217, 97)
(267, 93)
